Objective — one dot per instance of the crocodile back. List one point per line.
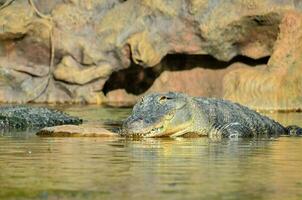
(23, 117)
(249, 123)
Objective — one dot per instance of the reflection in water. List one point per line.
(106, 168)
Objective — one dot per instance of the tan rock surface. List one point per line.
(76, 131)
(72, 72)
(278, 85)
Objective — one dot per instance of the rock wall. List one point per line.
(108, 51)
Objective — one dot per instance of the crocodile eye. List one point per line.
(164, 98)
(142, 100)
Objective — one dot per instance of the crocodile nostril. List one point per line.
(133, 123)
(140, 118)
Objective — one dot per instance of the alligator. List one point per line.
(177, 114)
(23, 117)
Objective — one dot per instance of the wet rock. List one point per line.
(76, 131)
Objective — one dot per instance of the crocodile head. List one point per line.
(159, 115)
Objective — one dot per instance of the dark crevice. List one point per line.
(134, 79)
(29, 73)
(175, 62)
(137, 80)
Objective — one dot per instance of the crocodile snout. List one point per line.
(133, 125)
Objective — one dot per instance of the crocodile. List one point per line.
(23, 117)
(175, 114)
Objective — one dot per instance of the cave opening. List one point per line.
(137, 79)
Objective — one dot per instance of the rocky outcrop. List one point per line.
(278, 84)
(114, 50)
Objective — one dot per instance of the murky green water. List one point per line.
(102, 168)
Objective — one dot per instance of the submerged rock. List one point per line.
(75, 131)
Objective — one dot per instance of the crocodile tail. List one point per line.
(294, 130)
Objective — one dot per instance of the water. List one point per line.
(104, 168)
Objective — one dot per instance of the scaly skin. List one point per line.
(176, 114)
(25, 117)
